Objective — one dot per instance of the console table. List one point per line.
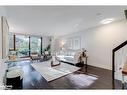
(85, 60)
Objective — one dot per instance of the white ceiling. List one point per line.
(59, 20)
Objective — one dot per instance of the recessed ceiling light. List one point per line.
(98, 14)
(108, 20)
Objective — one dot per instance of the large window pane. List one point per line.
(22, 45)
(35, 45)
(11, 41)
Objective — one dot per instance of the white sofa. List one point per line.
(69, 56)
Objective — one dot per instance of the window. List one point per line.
(35, 45)
(25, 45)
(22, 45)
(11, 41)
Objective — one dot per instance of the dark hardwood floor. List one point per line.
(33, 80)
(104, 80)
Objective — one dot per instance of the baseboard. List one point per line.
(99, 67)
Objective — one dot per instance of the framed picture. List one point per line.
(74, 43)
(70, 43)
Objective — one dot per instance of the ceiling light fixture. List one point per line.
(107, 21)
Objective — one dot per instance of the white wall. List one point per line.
(99, 42)
(46, 41)
(0, 41)
(54, 45)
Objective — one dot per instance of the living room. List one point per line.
(63, 47)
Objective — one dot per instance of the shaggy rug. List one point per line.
(52, 73)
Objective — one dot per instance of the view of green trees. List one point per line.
(22, 45)
(35, 45)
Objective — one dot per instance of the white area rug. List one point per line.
(52, 73)
(81, 80)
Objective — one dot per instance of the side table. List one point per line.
(14, 78)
